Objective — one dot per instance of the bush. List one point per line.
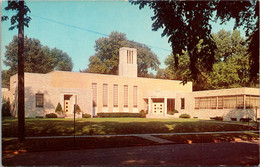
(77, 108)
(6, 107)
(51, 115)
(85, 115)
(233, 119)
(59, 109)
(172, 112)
(118, 115)
(217, 118)
(143, 113)
(245, 119)
(184, 116)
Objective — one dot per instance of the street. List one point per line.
(226, 153)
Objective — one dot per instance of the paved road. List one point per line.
(227, 153)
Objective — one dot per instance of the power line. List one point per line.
(88, 30)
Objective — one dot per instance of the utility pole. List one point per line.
(21, 124)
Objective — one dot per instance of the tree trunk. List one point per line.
(21, 127)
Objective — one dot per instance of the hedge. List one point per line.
(51, 115)
(117, 115)
(217, 118)
(184, 116)
(85, 115)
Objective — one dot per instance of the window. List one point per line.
(204, 102)
(105, 95)
(135, 97)
(130, 57)
(39, 100)
(182, 103)
(125, 96)
(213, 102)
(220, 102)
(94, 92)
(197, 102)
(252, 101)
(240, 101)
(230, 102)
(115, 95)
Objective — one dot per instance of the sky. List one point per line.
(74, 26)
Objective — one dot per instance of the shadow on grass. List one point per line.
(206, 138)
(97, 126)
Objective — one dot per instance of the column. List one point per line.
(165, 106)
(149, 105)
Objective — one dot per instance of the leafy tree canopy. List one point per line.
(231, 68)
(37, 58)
(185, 23)
(106, 59)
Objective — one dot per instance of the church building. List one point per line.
(126, 92)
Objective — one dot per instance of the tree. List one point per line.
(187, 22)
(60, 60)
(19, 21)
(106, 59)
(231, 68)
(37, 58)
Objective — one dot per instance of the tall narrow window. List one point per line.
(220, 102)
(115, 95)
(126, 96)
(197, 102)
(240, 102)
(94, 94)
(213, 102)
(182, 103)
(105, 95)
(39, 100)
(135, 97)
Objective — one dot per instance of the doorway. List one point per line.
(67, 104)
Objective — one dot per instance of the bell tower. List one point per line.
(127, 62)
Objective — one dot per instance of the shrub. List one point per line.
(77, 108)
(245, 119)
(143, 113)
(184, 116)
(59, 109)
(218, 118)
(51, 115)
(233, 119)
(172, 112)
(85, 115)
(6, 107)
(118, 115)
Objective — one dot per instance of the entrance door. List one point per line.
(67, 104)
(158, 108)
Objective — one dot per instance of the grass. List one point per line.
(102, 126)
(204, 138)
(98, 126)
(30, 145)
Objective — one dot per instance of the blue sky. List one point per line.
(74, 26)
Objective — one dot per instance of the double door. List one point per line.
(158, 108)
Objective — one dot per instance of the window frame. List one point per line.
(182, 103)
(37, 96)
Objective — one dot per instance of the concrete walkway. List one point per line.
(155, 139)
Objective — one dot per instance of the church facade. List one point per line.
(100, 93)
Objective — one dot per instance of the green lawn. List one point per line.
(99, 126)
